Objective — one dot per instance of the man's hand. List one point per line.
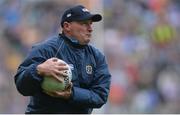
(65, 94)
(53, 67)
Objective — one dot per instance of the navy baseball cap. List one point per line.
(79, 13)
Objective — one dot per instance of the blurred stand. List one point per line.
(140, 39)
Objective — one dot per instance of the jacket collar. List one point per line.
(71, 42)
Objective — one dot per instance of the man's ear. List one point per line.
(67, 26)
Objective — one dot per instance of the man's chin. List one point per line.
(86, 42)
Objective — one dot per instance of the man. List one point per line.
(90, 75)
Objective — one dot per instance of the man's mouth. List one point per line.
(89, 35)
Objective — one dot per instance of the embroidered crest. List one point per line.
(88, 69)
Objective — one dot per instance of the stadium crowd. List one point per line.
(141, 43)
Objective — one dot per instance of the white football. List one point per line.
(51, 84)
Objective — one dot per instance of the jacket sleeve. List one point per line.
(97, 94)
(26, 79)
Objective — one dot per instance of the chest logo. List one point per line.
(88, 69)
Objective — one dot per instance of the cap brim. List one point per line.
(96, 17)
(93, 17)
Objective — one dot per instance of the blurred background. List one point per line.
(140, 39)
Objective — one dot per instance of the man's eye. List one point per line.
(83, 23)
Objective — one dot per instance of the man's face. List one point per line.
(81, 30)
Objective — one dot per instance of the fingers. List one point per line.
(61, 67)
(60, 79)
(50, 93)
(61, 94)
(60, 73)
(64, 95)
(64, 74)
(53, 67)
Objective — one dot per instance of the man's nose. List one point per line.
(90, 28)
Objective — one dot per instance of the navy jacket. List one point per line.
(91, 78)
